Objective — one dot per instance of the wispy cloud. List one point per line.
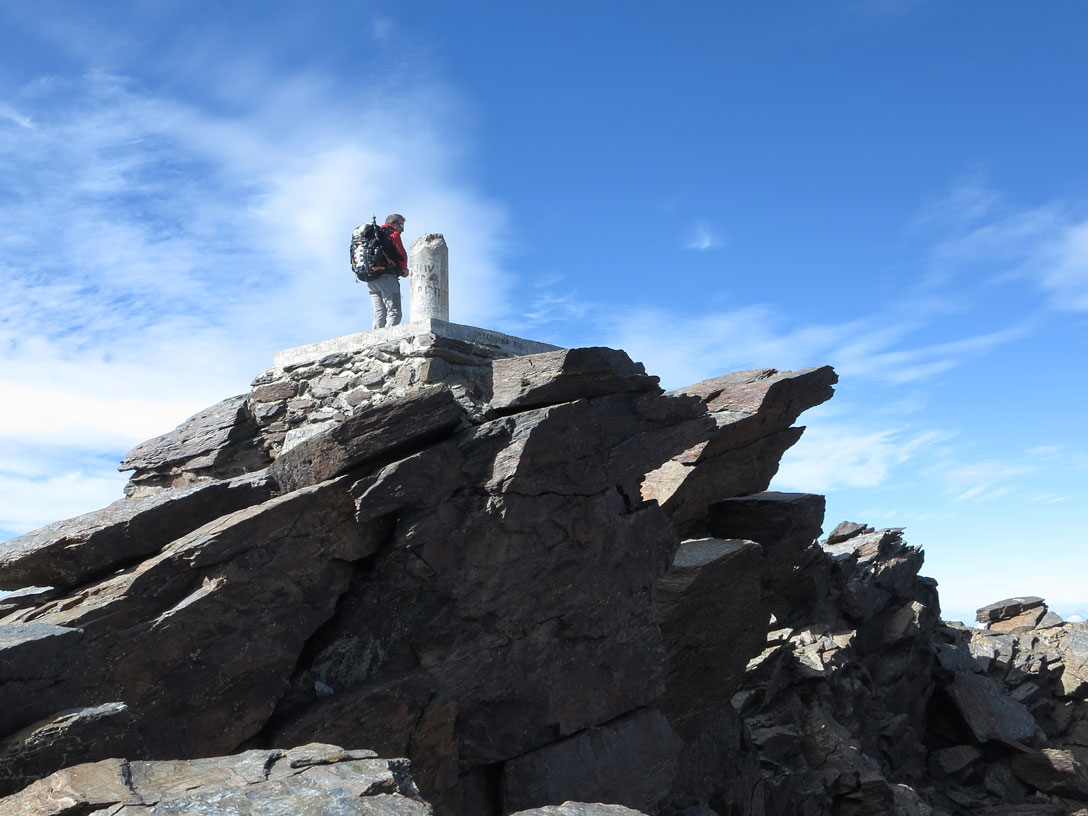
(704, 237)
(10, 114)
(980, 481)
(981, 235)
(833, 455)
(1061, 268)
(42, 484)
(155, 254)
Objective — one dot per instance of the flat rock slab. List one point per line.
(1009, 608)
(753, 402)
(382, 431)
(580, 809)
(1024, 622)
(196, 441)
(990, 714)
(563, 376)
(312, 780)
(845, 530)
(68, 553)
(753, 412)
(486, 341)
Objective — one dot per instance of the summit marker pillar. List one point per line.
(429, 260)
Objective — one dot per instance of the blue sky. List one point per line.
(898, 188)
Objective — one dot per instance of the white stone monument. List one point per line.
(429, 261)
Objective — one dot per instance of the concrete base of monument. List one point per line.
(311, 388)
(486, 342)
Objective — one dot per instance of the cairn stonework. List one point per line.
(312, 388)
(511, 579)
(429, 261)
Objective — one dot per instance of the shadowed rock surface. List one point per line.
(552, 587)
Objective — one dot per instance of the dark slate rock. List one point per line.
(1023, 622)
(446, 648)
(751, 404)
(1073, 645)
(1053, 771)
(714, 620)
(387, 431)
(952, 760)
(1008, 608)
(219, 442)
(205, 633)
(32, 655)
(552, 377)
(754, 411)
(784, 524)
(989, 713)
(845, 530)
(69, 553)
(32, 752)
(629, 762)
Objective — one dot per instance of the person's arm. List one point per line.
(403, 255)
(394, 248)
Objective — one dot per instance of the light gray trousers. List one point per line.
(385, 297)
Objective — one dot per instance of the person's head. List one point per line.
(396, 221)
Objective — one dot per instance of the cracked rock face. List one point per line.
(468, 585)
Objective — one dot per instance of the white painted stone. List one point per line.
(304, 432)
(429, 260)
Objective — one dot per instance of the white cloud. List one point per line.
(985, 236)
(76, 489)
(703, 237)
(1045, 451)
(156, 254)
(1049, 498)
(10, 114)
(381, 27)
(978, 481)
(1062, 268)
(965, 204)
(867, 357)
(830, 456)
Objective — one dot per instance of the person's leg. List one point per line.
(392, 302)
(377, 302)
(388, 289)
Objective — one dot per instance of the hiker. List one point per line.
(385, 287)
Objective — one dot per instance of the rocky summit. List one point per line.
(439, 570)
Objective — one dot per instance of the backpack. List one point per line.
(367, 253)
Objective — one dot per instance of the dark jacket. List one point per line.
(394, 249)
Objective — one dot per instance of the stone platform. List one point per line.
(491, 344)
(312, 387)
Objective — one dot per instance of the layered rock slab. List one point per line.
(753, 412)
(217, 443)
(466, 595)
(311, 780)
(68, 553)
(197, 642)
(512, 606)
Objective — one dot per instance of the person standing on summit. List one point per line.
(385, 288)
